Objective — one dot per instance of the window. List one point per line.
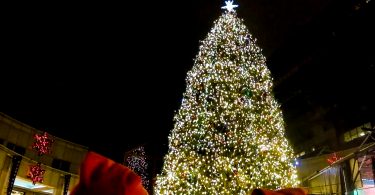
(61, 164)
(15, 192)
(347, 137)
(355, 133)
(300, 154)
(20, 150)
(11, 146)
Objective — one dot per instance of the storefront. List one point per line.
(54, 180)
(60, 166)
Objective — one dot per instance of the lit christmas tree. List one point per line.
(137, 161)
(228, 136)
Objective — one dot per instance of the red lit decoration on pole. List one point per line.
(332, 159)
(36, 173)
(42, 143)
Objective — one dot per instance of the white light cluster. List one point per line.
(137, 161)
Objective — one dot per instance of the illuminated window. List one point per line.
(24, 184)
(15, 192)
(347, 137)
(300, 154)
(356, 132)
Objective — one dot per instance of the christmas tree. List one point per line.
(136, 160)
(228, 136)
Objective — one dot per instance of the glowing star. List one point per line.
(229, 6)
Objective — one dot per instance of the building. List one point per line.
(350, 170)
(16, 155)
(311, 82)
(314, 69)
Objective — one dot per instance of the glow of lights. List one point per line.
(42, 143)
(36, 173)
(228, 136)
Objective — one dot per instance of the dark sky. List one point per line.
(110, 76)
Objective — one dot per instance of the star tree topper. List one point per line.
(229, 6)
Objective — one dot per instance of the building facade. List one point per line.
(349, 170)
(16, 156)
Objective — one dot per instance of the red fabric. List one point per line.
(286, 191)
(100, 175)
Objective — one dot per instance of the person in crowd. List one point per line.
(102, 176)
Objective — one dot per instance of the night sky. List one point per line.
(111, 76)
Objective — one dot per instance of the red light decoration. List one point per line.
(332, 159)
(36, 173)
(42, 143)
